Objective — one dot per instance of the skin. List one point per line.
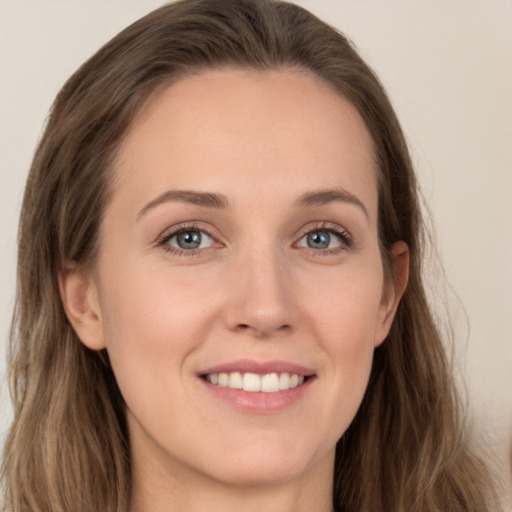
(254, 290)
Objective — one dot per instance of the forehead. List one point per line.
(274, 131)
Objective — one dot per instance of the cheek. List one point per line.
(151, 321)
(151, 306)
(152, 324)
(347, 306)
(345, 320)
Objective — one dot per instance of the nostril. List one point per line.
(262, 331)
(246, 329)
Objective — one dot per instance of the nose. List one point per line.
(260, 299)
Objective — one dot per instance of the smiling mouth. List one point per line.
(252, 382)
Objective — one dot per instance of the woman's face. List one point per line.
(239, 252)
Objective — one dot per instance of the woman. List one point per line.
(220, 298)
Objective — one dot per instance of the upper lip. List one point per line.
(259, 367)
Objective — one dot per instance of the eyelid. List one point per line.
(203, 234)
(345, 237)
(183, 227)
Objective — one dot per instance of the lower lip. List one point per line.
(258, 402)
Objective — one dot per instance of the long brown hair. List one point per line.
(68, 446)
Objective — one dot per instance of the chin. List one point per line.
(259, 473)
(262, 466)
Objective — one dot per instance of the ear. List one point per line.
(394, 288)
(80, 299)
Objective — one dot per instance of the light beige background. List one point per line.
(447, 65)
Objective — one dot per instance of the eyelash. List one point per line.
(163, 240)
(346, 239)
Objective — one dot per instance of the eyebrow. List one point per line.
(325, 196)
(214, 200)
(205, 199)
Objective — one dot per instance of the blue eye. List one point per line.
(189, 240)
(318, 240)
(322, 239)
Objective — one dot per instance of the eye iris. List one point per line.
(318, 240)
(189, 239)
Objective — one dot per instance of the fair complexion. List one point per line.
(241, 238)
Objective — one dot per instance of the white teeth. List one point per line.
(235, 380)
(252, 382)
(268, 383)
(284, 381)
